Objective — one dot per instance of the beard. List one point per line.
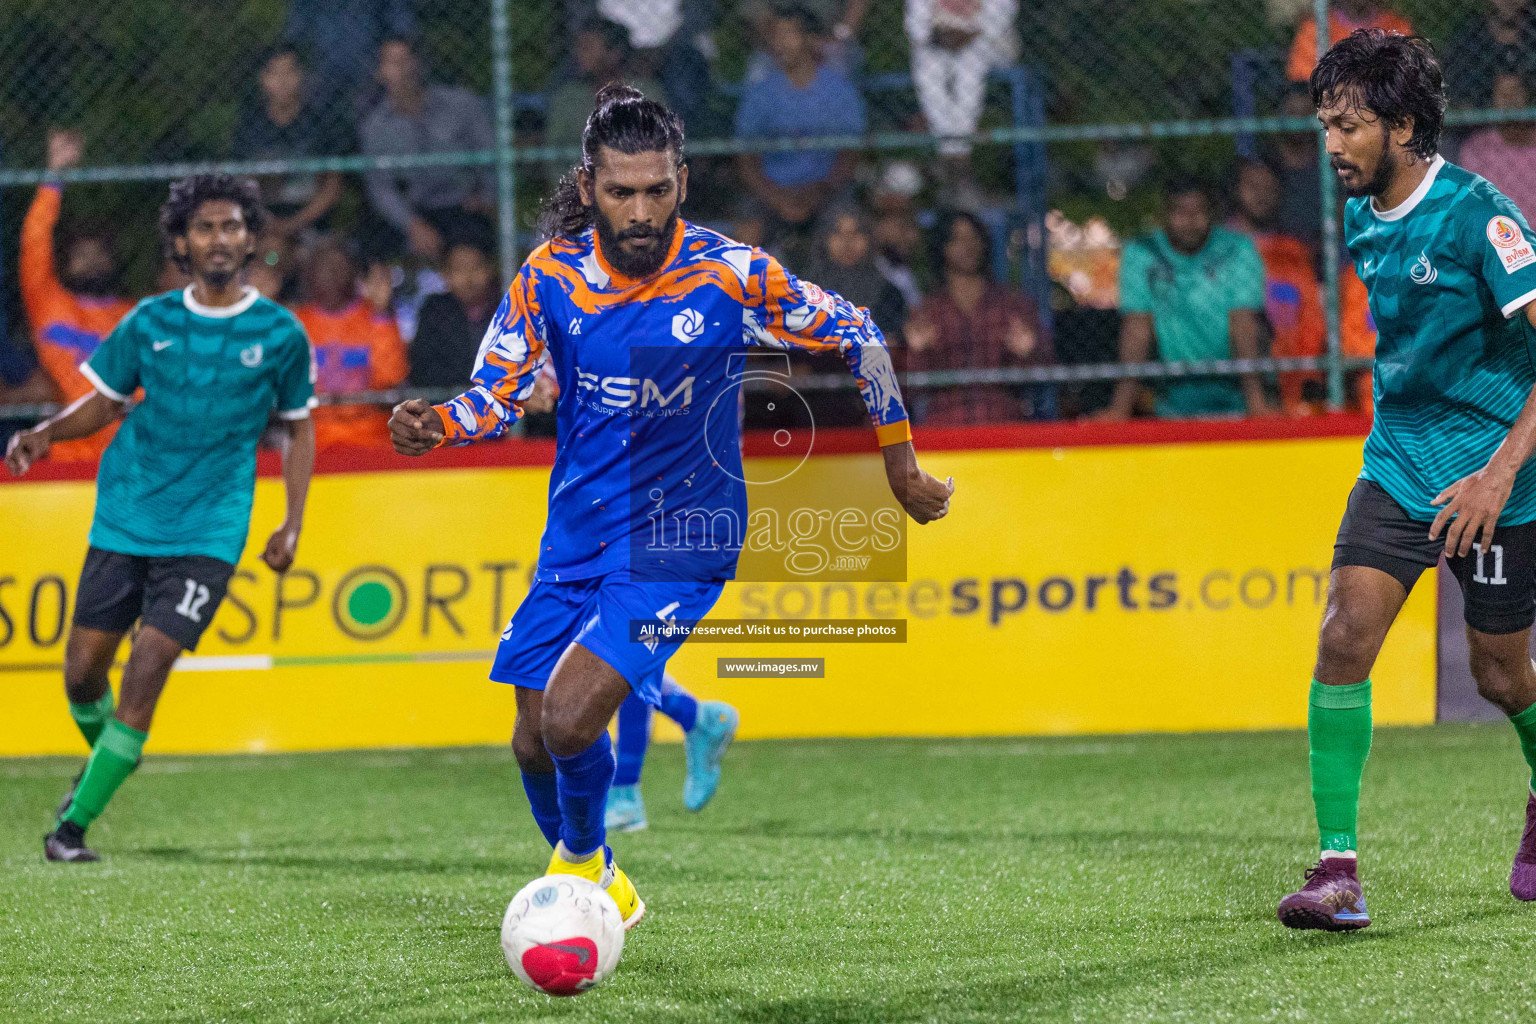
(635, 264)
(217, 278)
(1380, 180)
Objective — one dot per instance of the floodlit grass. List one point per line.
(873, 881)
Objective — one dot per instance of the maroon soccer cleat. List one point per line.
(1522, 877)
(1332, 899)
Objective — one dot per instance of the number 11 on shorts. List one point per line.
(1497, 550)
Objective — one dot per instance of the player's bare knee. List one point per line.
(84, 682)
(1345, 653)
(566, 735)
(1502, 675)
(528, 748)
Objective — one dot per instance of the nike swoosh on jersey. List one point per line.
(160, 345)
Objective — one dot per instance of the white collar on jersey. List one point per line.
(247, 300)
(1405, 207)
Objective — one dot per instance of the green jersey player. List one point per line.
(174, 490)
(1449, 265)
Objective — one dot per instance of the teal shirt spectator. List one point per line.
(772, 108)
(1449, 272)
(1189, 298)
(180, 476)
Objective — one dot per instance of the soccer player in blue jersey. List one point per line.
(175, 487)
(644, 317)
(708, 727)
(1451, 272)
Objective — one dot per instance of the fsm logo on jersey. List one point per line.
(645, 394)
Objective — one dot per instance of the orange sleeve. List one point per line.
(43, 295)
(59, 363)
(387, 361)
(1303, 52)
(1357, 336)
(1312, 331)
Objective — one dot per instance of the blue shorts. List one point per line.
(596, 613)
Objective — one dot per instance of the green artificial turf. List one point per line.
(880, 881)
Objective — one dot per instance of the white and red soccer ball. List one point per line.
(562, 934)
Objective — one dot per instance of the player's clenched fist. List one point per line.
(925, 497)
(25, 448)
(415, 428)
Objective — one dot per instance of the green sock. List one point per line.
(1525, 728)
(113, 759)
(92, 717)
(1339, 733)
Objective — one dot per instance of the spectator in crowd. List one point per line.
(1190, 291)
(666, 37)
(972, 321)
(274, 268)
(844, 262)
(954, 44)
(357, 345)
(1301, 199)
(1505, 153)
(1501, 41)
(286, 125)
(897, 236)
(343, 36)
(22, 381)
(1344, 16)
(71, 305)
(802, 97)
(421, 206)
(449, 325)
(1292, 305)
(602, 54)
(840, 48)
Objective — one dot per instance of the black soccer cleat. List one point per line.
(67, 844)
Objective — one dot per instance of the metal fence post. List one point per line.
(506, 182)
(1327, 194)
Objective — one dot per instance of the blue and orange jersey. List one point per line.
(357, 348)
(66, 328)
(650, 373)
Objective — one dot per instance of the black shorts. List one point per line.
(177, 595)
(1498, 585)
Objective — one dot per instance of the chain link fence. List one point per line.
(988, 176)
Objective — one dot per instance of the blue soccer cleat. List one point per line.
(625, 811)
(705, 747)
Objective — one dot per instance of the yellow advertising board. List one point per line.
(1072, 590)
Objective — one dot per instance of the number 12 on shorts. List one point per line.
(1478, 573)
(197, 595)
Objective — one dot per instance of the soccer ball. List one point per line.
(562, 934)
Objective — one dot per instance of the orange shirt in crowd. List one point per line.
(1304, 49)
(356, 349)
(66, 328)
(1294, 309)
(1357, 330)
